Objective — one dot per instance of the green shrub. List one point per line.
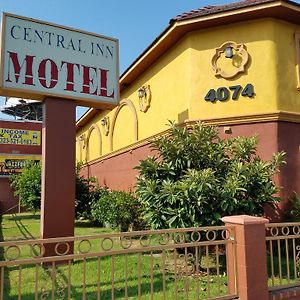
(293, 212)
(87, 192)
(117, 209)
(27, 186)
(198, 178)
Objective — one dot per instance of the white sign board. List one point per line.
(40, 59)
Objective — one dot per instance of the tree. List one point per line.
(87, 192)
(197, 178)
(27, 186)
(119, 209)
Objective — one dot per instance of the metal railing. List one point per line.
(283, 253)
(175, 264)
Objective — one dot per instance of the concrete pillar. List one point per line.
(58, 169)
(251, 257)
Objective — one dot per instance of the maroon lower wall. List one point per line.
(118, 172)
(289, 141)
(8, 202)
(274, 137)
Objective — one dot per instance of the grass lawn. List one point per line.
(27, 226)
(131, 274)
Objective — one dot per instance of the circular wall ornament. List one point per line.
(105, 125)
(82, 140)
(238, 56)
(144, 95)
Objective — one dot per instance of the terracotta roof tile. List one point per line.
(208, 10)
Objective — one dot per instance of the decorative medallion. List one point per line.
(229, 60)
(144, 95)
(82, 139)
(105, 125)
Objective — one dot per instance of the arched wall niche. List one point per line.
(94, 127)
(79, 148)
(124, 103)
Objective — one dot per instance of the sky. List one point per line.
(135, 23)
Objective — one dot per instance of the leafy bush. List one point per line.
(117, 209)
(198, 178)
(293, 214)
(27, 186)
(87, 191)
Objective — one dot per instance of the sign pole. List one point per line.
(58, 170)
(63, 67)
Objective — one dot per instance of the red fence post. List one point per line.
(251, 257)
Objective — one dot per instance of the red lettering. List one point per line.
(103, 84)
(42, 73)
(17, 68)
(48, 73)
(87, 80)
(70, 75)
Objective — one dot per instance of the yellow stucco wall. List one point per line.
(289, 96)
(258, 36)
(181, 78)
(169, 101)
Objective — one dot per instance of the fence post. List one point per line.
(251, 257)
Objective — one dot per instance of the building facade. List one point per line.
(20, 141)
(236, 66)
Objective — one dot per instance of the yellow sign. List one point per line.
(10, 136)
(10, 164)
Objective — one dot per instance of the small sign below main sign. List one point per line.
(10, 136)
(40, 59)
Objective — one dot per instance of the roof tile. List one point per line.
(211, 9)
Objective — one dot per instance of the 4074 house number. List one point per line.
(233, 92)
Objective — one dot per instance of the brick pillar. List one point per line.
(251, 257)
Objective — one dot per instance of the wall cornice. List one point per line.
(282, 116)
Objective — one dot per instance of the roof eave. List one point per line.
(178, 28)
(285, 10)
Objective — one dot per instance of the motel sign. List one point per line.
(63, 67)
(39, 59)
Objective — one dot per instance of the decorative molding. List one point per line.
(240, 52)
(81, 140)
(97, 130)
(105, 125)
(258, 118)
(282, 116)
(124, 102)
(144, 94)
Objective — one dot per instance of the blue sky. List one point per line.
(136, 23)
